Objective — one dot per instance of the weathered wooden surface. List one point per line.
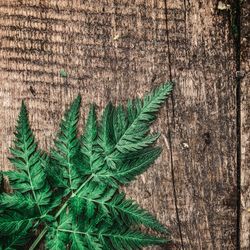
(120, 49)
(245, 128)
(203, 127)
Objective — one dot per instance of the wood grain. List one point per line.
(245, 126)
(203, 127)
(114, 50)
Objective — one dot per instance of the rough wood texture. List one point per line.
(203, 126)
(245, 128)
(120, 49)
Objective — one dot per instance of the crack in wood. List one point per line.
(169, 131)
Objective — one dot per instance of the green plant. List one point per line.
(70, 197)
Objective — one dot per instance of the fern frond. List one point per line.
(140, 115)
(78, 241)
(91, 158)
(67, 145)
(71, 195)
(98, 235)
(54, 173)
(106, 135)
(29, 176)
(82, 235)
(120, 122)
(112, 204)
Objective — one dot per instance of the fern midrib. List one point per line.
(34, 194)
(130, 237)
(90, 149)
(120, 173)
(70, 138)
(56, 239)
(69, 164)
(72, 231)
(75, 238)
(26, 219)
(91, 155)
(30, 179)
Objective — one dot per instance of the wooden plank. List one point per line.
(245, 128)
(203, 125)
(118, 49)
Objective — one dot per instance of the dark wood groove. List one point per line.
(169, 131)
(238, 117)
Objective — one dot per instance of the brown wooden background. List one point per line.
(119, 49)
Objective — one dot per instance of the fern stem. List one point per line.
(78, 190)
(44, 231)
(38, 239)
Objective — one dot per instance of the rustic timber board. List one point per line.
(245, 128)
(114, 50)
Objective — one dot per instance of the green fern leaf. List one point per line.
(56, 239)
(106, 135)
(96, 196)
(66, 147)
(120, 122)
(70, 196)
(131, 166)
(78, 242)
(12, 223)
(91, 160)
(82, 236)
(29, 177)
(16, 201)
(140, 115)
